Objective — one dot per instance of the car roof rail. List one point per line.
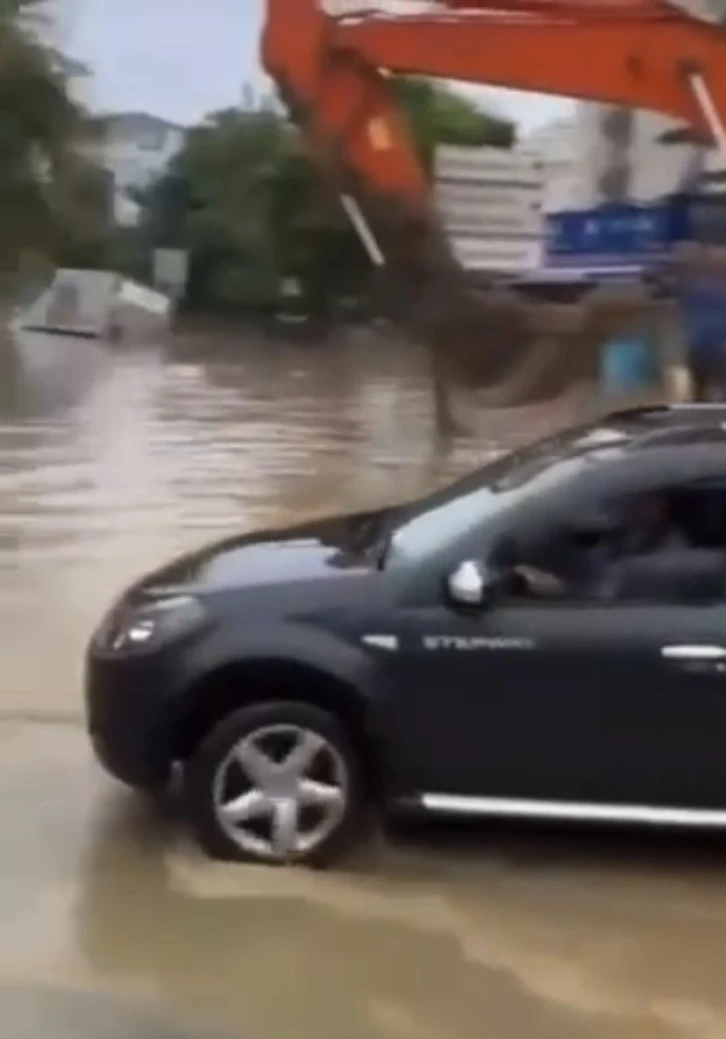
(636, 412)
(696, 433)
(699, 405)
(692, 408)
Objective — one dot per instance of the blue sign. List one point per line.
(616, 233)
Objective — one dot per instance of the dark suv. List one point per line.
(496, 648)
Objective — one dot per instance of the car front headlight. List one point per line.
(160, 620)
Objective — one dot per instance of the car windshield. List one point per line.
(446, 516)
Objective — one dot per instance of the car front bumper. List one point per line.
(127, 714)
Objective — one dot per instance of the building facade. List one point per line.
(554, 145)
(137, 148)
(490, 202)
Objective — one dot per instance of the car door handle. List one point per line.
(693, 652)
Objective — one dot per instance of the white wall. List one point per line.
(554, 146)
(490, 202)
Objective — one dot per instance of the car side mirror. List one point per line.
(472, 583)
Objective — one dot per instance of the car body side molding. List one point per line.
(505, 807)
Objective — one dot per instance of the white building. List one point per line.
(137, 148)
(606, 153)
(554, 146)
(490, 201)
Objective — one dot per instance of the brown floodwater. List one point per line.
(112, 460)
(111, 925)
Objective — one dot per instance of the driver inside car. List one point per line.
(650, 528)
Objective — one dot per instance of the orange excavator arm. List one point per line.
(333, 71)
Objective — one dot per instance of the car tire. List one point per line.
(216, 781)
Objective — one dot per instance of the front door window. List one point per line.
(650, 541)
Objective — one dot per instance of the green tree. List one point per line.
(216, 201)
(44, 179)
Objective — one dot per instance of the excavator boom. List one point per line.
(641, 62)
(333, 70)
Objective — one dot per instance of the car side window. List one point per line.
(686, 576)
(665, 546)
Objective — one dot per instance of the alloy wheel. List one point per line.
(280, 792)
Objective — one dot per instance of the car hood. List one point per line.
(325, 548)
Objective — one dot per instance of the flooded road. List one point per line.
(111, 926)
